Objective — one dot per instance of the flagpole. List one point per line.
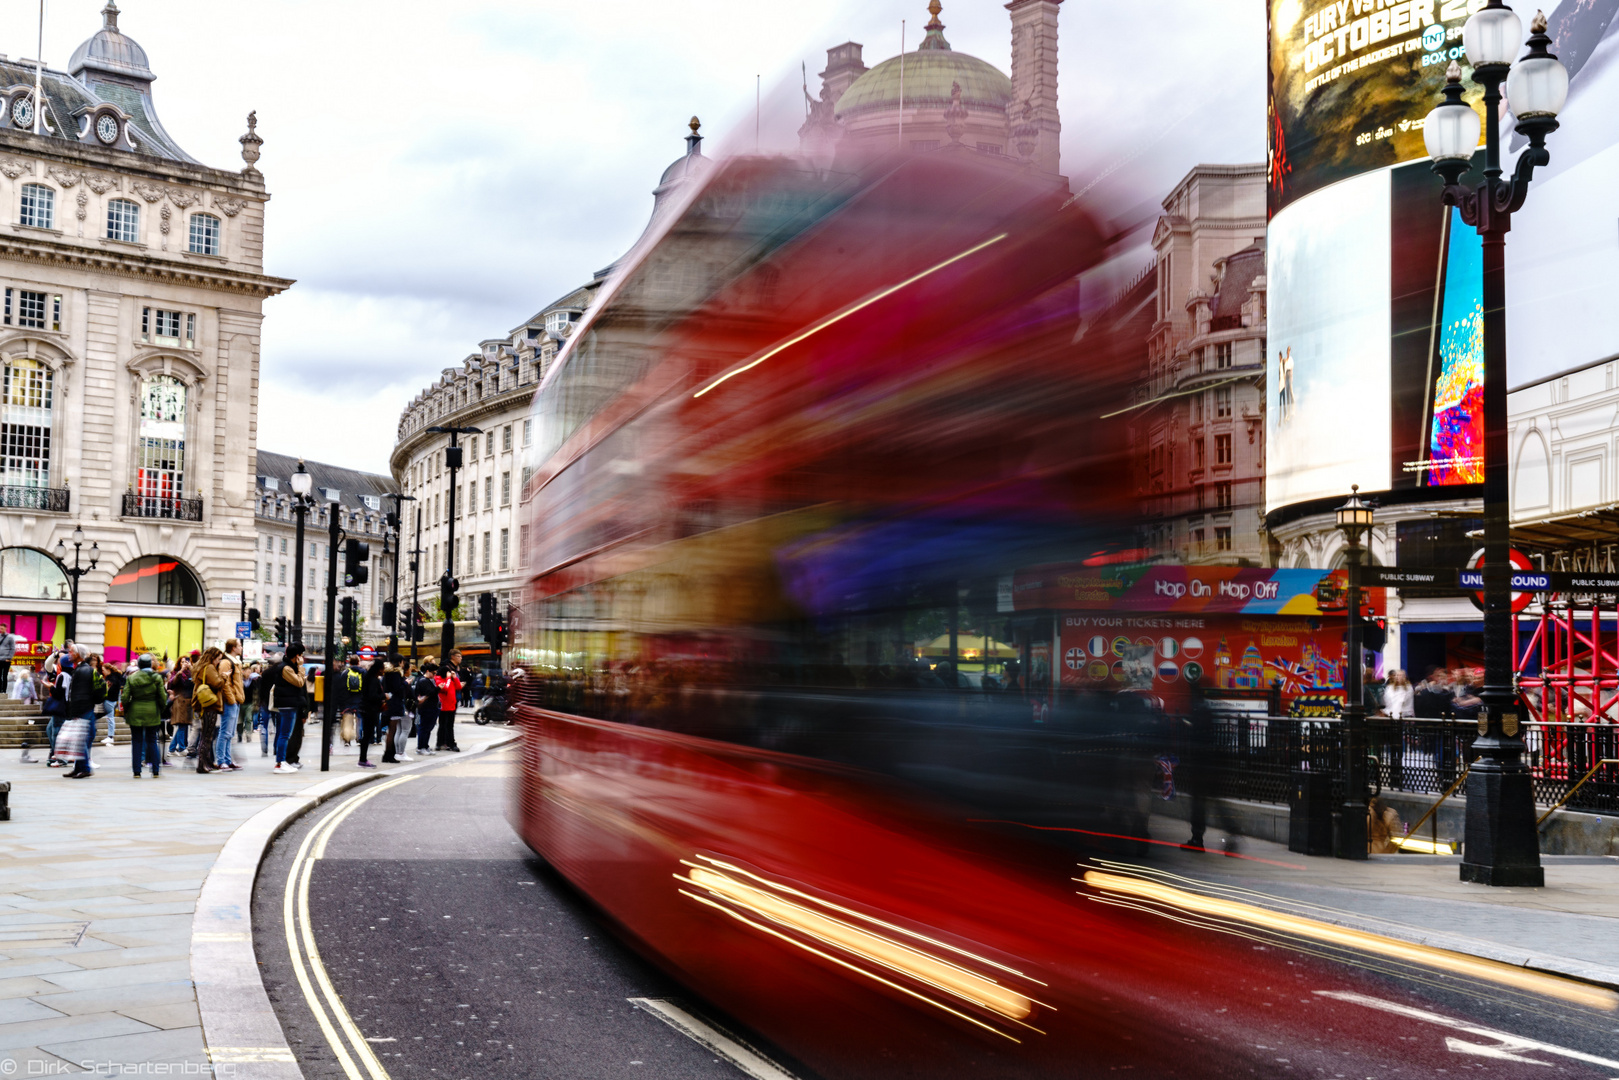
(39, 74)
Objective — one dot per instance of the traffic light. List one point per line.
(281, 629)
(418, 626)
(502, 631)
(452, 457)
(390, 614)
(486, 616)
(348, 611)
(253, 618)
(449, 595)
(355, 554)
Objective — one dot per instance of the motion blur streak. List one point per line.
(1278, 922)
(1514, 1042)
(850, 310)
(939, 974)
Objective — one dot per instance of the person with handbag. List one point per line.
(206, 704)
(144, 701)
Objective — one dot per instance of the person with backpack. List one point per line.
(373, 702)
(347, 684)
(143, 698)
(425, 692)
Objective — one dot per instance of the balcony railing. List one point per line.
(25, 497)
(162, 506)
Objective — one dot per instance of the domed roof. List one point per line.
(110, 50)
(688, 164)
(929, 73)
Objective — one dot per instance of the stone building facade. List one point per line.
(364, 507)
(133, 283)
(1198, 429)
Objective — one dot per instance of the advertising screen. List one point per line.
(1375, 359)
(1350, 83)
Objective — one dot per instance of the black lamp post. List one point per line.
(1355, 519)
(396, 529)
(1502, 844)
(302, 485)
(448, 585)
(74, 573)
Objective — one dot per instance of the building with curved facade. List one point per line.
(133, 284)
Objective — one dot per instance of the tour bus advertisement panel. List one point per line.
(1181, 589)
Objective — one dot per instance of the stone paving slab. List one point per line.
(99, 881)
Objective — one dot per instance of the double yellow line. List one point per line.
(306, 963)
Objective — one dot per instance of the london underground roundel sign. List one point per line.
(1519, 561)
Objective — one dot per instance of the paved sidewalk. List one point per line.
(1571, 926)
(98, 882)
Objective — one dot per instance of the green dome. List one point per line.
(928, 75)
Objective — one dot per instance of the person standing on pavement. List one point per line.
(143, 698)
(113, 676)
(399, 692)
(229, 666)
(425, 691)
(8, 653)
(449, 686)
(1201, 775)
(285, 698)
(295, 742)
(180, 707)
(373, 704)
(207, 701)
(82, 693)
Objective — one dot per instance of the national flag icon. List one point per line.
(1121, 646)
(1168, 670)
(1097, 670)
(1193, 672)
(1192, 647)
(1097, 646)
(1074, 658)
(1169, 648)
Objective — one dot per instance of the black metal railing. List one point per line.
(25, 497)
(1258, 756)
(162, 506)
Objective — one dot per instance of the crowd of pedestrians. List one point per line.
(199, 708)
(1446, 694)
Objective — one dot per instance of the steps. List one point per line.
(15, 729)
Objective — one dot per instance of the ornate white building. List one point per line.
(133, 285)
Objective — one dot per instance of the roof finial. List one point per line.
(109, 15)
(934, 38)
(251, 142)
(694, 140)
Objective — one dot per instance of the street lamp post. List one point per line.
(302, 484)
(1501, 842)
(74, 573)
(1355, 519)
(448, 584)
(328, 722)
(395, 525)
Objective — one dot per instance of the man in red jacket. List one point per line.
(449, 689)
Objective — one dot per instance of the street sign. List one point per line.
(252, 649)
(1525, 580)
(244, 630)
(230, 598)
(1395, 577)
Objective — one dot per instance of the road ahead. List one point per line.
(456, 952)
(429, 942)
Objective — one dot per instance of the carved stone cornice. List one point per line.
(150, 267)
(408, 445)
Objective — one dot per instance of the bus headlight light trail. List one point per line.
(853, 946)
(1342, 937)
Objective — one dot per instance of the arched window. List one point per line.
(124, 221)
(27, 574)
(38, 207)
(156, 579)
(25, 424)
(160, 455)
(204, 234)
(1533, 482)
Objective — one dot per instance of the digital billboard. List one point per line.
(1350, 84)
(1375, 309)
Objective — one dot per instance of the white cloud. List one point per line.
(440, 172)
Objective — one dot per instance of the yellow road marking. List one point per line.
(298, 875)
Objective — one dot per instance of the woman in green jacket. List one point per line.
(143, 699)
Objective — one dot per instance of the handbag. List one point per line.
(204, 696)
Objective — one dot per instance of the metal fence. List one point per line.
(1259, 756)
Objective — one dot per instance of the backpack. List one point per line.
(352, 681)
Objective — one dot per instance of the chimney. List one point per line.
(843, 67)
(1034, 80)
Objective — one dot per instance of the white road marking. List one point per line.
(688, 1025)
(1507, 1046)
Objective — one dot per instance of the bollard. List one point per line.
(5, 800)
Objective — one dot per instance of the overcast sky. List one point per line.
(440, 172)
